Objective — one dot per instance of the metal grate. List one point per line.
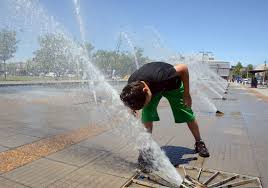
(195, 178)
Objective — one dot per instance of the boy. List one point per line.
(147, 85)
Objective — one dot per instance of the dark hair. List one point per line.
(133, 96)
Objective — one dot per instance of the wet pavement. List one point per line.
(60, 140)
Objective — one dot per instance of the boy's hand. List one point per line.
(187, 100)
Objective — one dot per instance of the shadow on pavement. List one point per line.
(176, 154)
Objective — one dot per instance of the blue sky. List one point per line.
(234, 30)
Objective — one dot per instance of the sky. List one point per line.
(234, 30)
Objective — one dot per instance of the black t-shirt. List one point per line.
(159, 76)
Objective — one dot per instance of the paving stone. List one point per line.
(108, 141)
(77, 155)
(232, 158)
(262, 160)
(6, 132)
(37, 132)
(39, 173)
(5, 183)
(85, 178)
(120, 157)
(121, 165)
(17, 140)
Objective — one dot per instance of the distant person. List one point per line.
(252, 82)
(147, 85)
(255, 82)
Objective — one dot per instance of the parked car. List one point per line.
(239, 80)
(247, 81)
(51, 74)
(70, 75)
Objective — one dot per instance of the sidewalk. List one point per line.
(237, 143)
(263, 91)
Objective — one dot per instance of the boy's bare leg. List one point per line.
(200, 146)
(193, 126)
(149, 126)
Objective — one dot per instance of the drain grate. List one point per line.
(212, 178)
(223, 98)
(195, 178)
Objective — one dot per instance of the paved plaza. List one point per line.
(60, 142)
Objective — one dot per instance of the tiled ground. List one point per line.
(237, 143)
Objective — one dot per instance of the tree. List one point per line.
(104, 60)
(122, 62)
(249, 68)
(8, 46)
(54, 55)
(32, 68)
(89, 47)
(139, 54)
(237, 69)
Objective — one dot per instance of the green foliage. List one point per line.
(31, 67)
(8, 44)
(54, 55)
(89, 47)
(123, 62)
(237, 69)
(57, 54)
(250, 67)
(245, 71)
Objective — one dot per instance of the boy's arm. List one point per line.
(182, 71)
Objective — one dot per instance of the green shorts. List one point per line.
(181, 112)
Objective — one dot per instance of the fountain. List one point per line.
(201, 76)
(127, 126)
(30, 17)
(204, 82)
(129, 42)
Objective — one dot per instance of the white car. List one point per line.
(51, 74)
(70, 75)
(246, 81)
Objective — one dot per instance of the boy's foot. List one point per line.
(201, 148)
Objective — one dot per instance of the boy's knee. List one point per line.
(148, 126)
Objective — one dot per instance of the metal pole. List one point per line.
(263, 79)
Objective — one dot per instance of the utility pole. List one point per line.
(263, 80)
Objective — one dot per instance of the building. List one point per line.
(222, 68)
